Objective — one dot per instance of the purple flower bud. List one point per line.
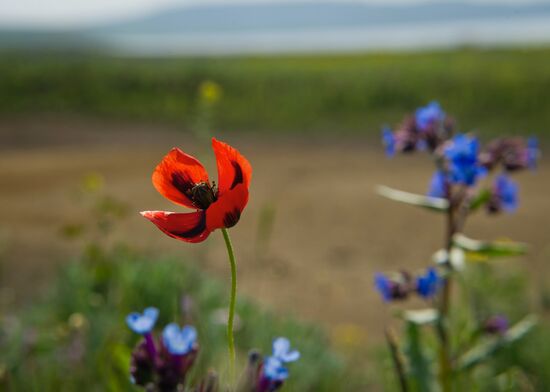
(496, 325)
(142, 366)
(512, 153)
(406, 137)
(172, 369)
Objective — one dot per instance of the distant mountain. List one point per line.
(300, 26)
(313, 15)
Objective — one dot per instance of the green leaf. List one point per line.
(420, 372)
(431, 203)
(481, 198)
(485, 249)
(487, 348)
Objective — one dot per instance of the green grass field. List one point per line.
(497, 91)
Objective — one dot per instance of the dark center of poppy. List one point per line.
(202, 195)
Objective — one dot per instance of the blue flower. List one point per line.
(143, 323)
(462, 154)
(428, 284)
(274, 369)
(273, 366)
(281, 350)
(532, 152)
(388, 140)
(437, 185)
(384, 286)
(179, 341)
(429, 115)
(506, 191)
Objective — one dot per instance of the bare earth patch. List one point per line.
(331, 231)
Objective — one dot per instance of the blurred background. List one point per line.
(93, 94)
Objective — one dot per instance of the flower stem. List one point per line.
(232, 299)
(445, 369)
(398, 364)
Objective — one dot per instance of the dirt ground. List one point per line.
(331, 231)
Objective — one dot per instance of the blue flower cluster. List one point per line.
(400, 286)
(462, 158)
(429, 116)
(165, 362)
(273, 371)
(425, 130)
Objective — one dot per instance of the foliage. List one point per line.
(76, 337)
(468, 334)
(491, 90)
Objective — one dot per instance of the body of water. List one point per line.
(413, 36)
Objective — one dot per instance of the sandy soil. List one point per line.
(331, 231)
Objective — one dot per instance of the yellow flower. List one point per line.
(210, 91)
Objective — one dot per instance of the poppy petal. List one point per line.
(233, 168)
(226, 211)
(190, 227)
(176, 174)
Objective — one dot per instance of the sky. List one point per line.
(78, 13)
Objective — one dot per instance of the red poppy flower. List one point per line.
(182, 179)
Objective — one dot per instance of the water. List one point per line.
(413, 36)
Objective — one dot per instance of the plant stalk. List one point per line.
(232, 300)
(445, 370)
(397, 359)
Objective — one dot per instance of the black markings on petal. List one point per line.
(231, 218)
(238, 179)
(182, 182)
(199, 228)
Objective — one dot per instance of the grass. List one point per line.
(76, 337)
(495, 91)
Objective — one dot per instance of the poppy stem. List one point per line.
(232, 299)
